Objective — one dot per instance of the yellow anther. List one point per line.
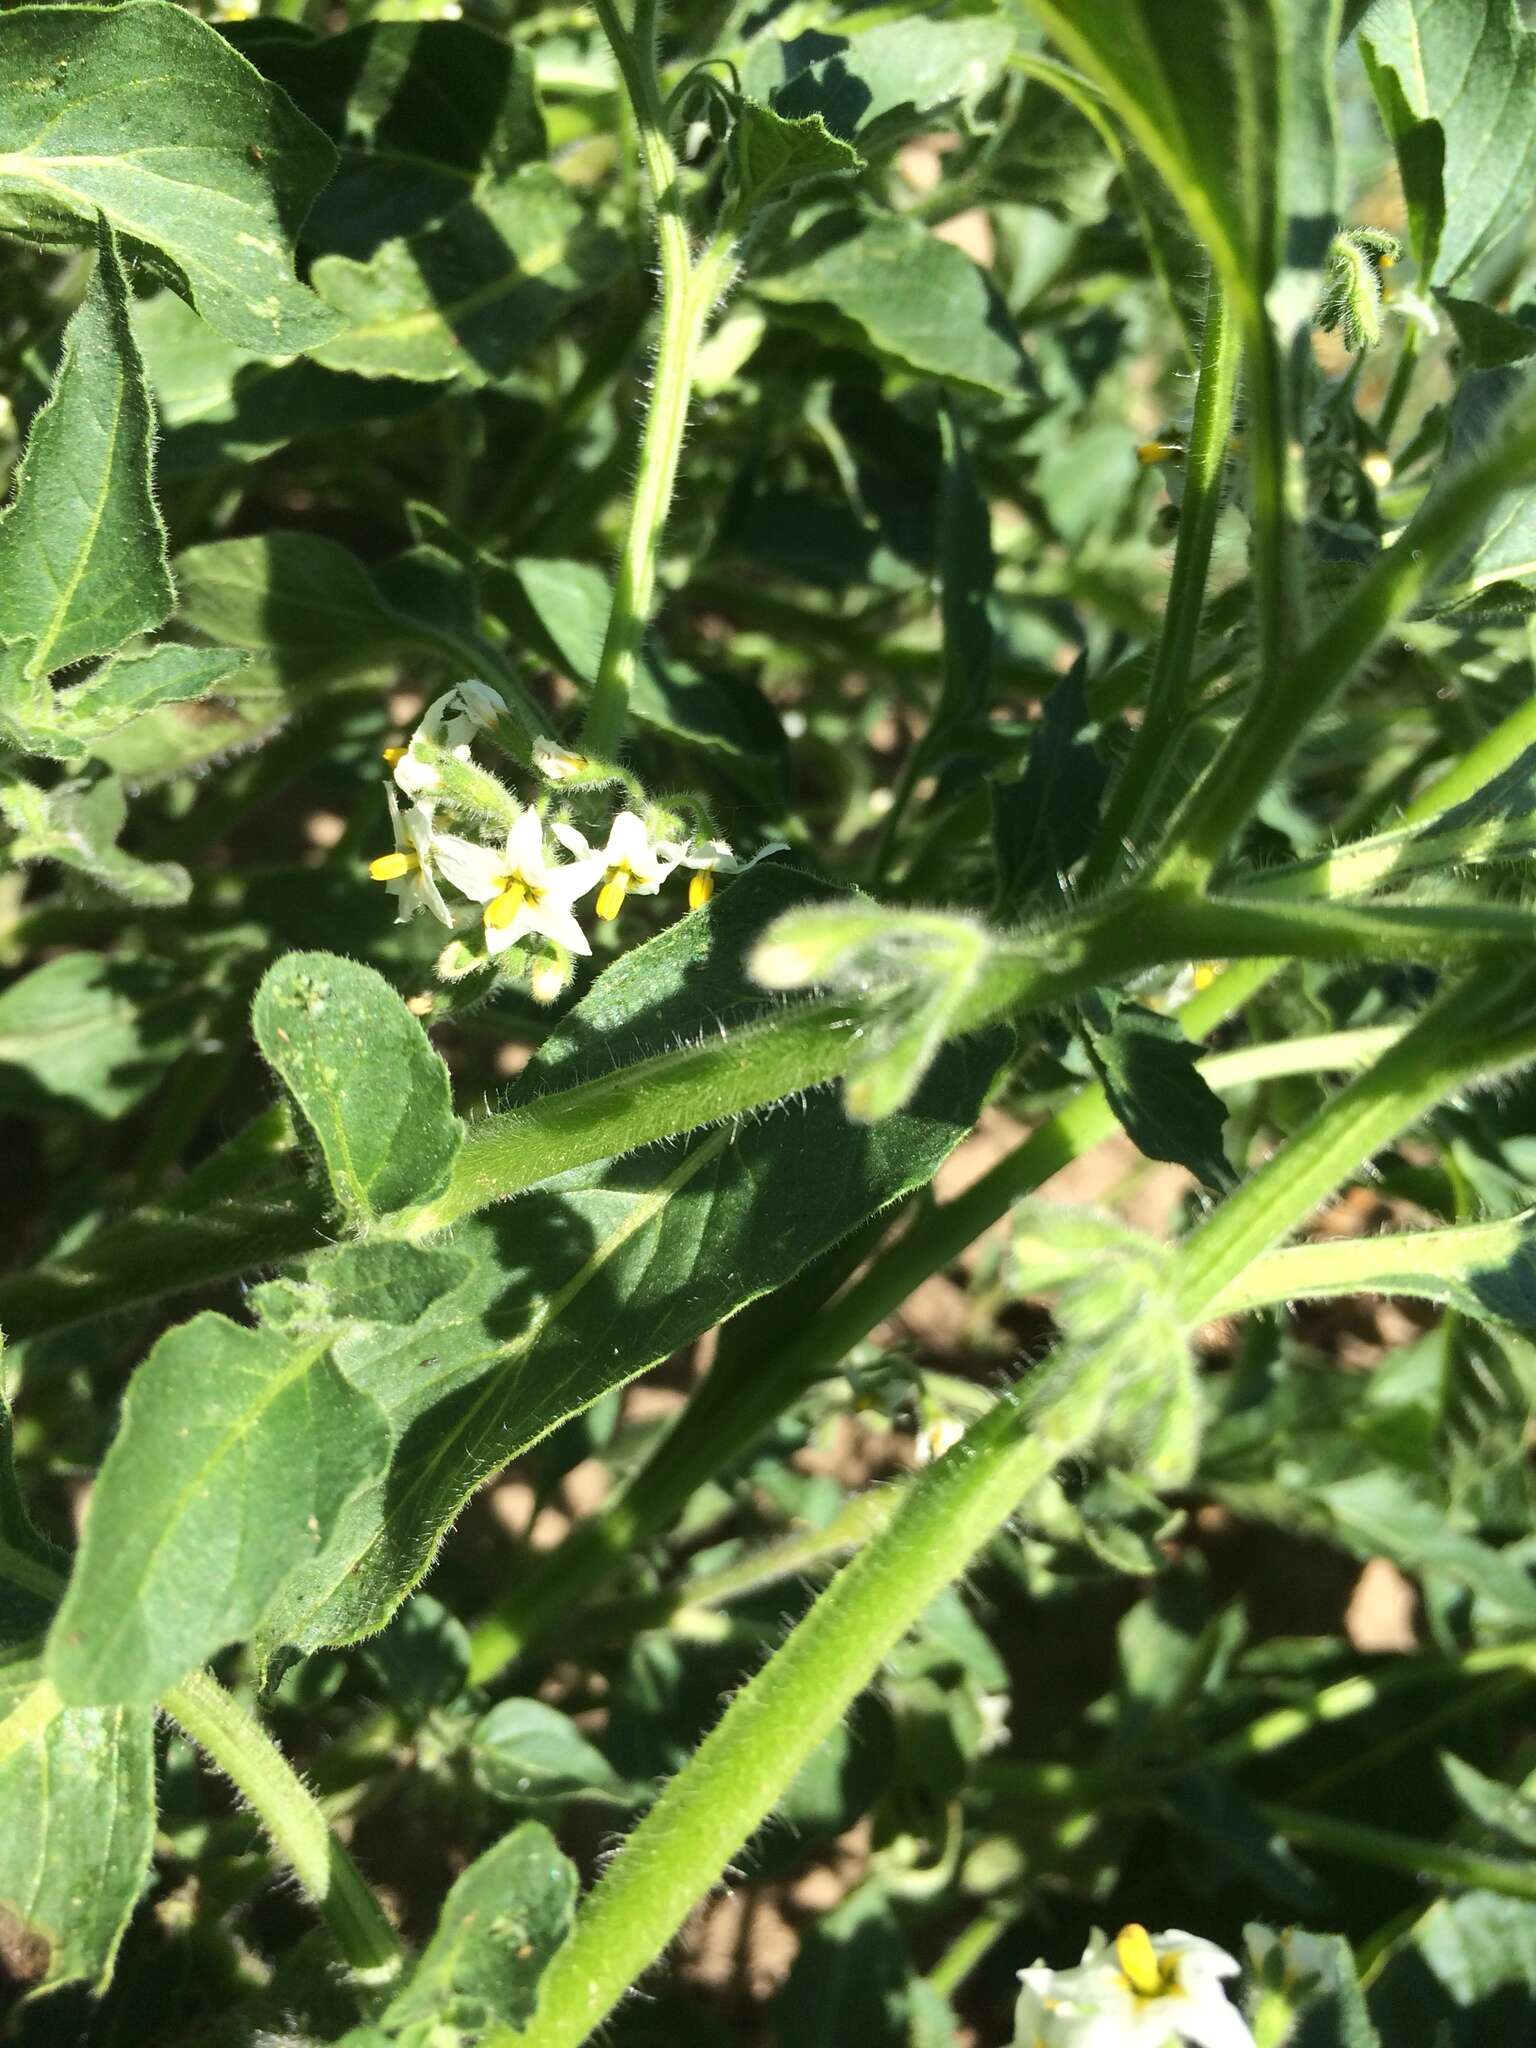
(610, 898)
(700, 888)
(1138, 1960)
(502, 909)
(394, 754)
(389, 867)
(1206, 972)
(1150, 453)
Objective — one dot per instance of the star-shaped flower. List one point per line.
(522, 891)
(1139, 1991)
(629, 864)
(408, 870)
(710, 857)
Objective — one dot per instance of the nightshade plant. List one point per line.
(616, 627)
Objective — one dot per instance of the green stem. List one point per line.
(971, 1946)
(1146, 767)
(689, 291)
(1493, 753)
(1407, 1853)
(1216, 810)
(1402, 383)
(239, 1747)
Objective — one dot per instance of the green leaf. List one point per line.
(1504, 551)
(82, 549)
(543, 1306)
(90, 1031)
(882, 283)
(1464, 1977)
(418, 110)
(67, 724)
(236, 1451)
(1307, 1983)
(1150, 1072)
(1502, 1808)
(770, 157)
(365, 1077)
(883, 82)
(77, 1824)
(422, 1657)
(32, 1570)
(1044, 823)
(500, 1924)
(219, 403)
(1420, 147)
(472, 297)
(77, 824)
(1377, 1514)
(1470, 66)
(849, 1980)
(145, 115)
(1488, 340)
(525, 1752)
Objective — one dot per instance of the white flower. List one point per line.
(480, 703)
(1139, 1991)
(444, 725)
(408, 870)
(711, 857)
(628, 863)
(521, 891)
(556, 763)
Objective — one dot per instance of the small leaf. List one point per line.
(77, 824)
(1505, 1809)
(1488, 340)
(365, 1077)
(236, 1451)
(77, 1824)
(1150, 1072)
(1044, 823)
(82, 549)
(882, 283)
(500, 1924)
(145, 115)
(67, 724)
(771, 157)
(523, 1751)
(470, 298)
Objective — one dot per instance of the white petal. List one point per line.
(1212, 2022)
(416, 777)
(553, 918)
(525, 847)
(483, 704)
(572, 879)
(628, 845)
(432, 896)
(477, 870)
(498, 937)
(572, 840)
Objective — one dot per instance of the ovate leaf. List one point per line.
(236, 1451)
(1149, 1071)
(1470, 66)
(469, 298)
(365, 1078)
(82, 550)
(524, 1751)
(500, 1924)
(77, 1823)
(1488, 340)
(144, 115)
(771, 156)
(882, 283)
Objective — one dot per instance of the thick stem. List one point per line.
(688, 294)
(293, 1822)
(1415, 1858)
(1146, 766)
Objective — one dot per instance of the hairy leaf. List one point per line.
(144, 115)
(77, 824)
(884, 81)
(772, 156)
(236, 1451)
(67, 724)
(77, 1823)
(471, 297)
(365, 1078)
(90, 1031)
(1150, 1072)
(82, 550)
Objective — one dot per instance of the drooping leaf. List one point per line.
(1044, 823)
(1470, 66)
(143, 114)
(419, 112)
(500, 1924)
(77, 824)
(236, 1451)
(540, 1308)
(77, 1823)
(470, 297)
(82, 549)
(90, 1031)
(881, 283)
(1149, 1071)
(365, 1078)
(771, 156)
(1420, 147)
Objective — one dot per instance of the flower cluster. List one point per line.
(514, 871)
(1138, 1991)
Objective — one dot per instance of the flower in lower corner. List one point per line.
(1139, 1991)
(710, 857)
(628, 865)
(522, 890)
(408, 870)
